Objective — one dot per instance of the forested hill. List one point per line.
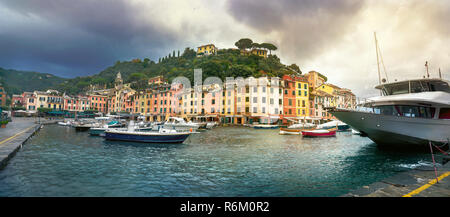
(226, 63)
(16, 82)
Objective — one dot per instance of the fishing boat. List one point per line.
(319, 133)
(287, 131)
(161, 136)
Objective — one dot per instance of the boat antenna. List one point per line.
(440, 75)
(426, 66)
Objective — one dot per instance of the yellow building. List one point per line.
(302, 97)
(255, 51)
(329, 89)
(259, 52)
(207, 50)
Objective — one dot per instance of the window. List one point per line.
(305, 86)
(263, 109)
(306, 93)
(255, 89)
(255, 110)
(263, 89)
(264, 100)
(255, 99)
(271, 101)
(444, 113)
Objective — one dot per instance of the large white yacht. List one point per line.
(410, 113)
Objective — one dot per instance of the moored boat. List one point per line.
(67, 123)
(341, 126)
(265, 126)
(162, 136)
(180, 124)
(318, 133)
(287, 131)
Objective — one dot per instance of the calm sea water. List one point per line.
(226, 161)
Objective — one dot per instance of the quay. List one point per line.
(16, 133)
(418, 182)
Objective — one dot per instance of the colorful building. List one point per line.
(209, 49)
(51, 99)
(302, 96)
(98, 102)
(289, 99)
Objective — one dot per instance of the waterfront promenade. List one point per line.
(419, 182)
(14, 135)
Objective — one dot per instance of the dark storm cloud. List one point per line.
(304, 27)
(78, 37)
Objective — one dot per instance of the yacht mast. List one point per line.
(378, 61)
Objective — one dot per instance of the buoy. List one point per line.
(190, 130)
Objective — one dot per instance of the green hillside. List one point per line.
(16, 82)
(227, 63)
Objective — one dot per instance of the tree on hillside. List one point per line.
(189, 53)
(138, 80)
(269, 46)
(244, 43)
(295, 68)
(256, 45)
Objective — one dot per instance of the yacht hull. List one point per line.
(387, 130)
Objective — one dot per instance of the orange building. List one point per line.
(289, 109)
(98, 102)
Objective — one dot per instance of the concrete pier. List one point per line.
(16, 134)
(419, 182)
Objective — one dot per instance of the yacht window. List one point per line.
(439, 86)
(405, 111)
(418, 87)
(444, 113)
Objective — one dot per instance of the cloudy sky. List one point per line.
(83, 37)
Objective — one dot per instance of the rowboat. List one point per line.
(319, 133)
(287, 131)
(265, 126)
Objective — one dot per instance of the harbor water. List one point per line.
(225, 161)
